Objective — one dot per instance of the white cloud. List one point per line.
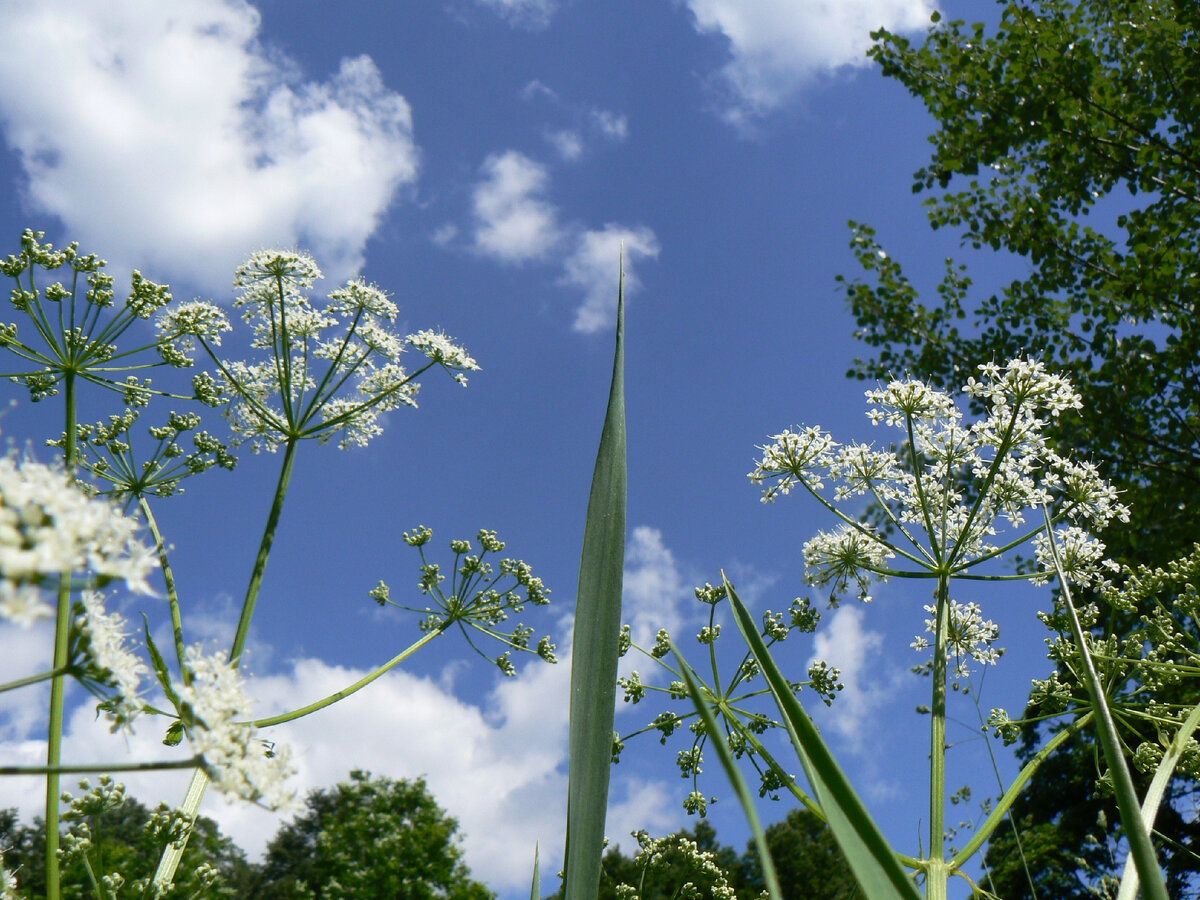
(778, 46)
(614, 126)
(167, 137)
(568, 143)
(514, 223)
(655, 592)
(592, 267)
(593, 121)
(523, 13)
(503, 761)
(844, 643)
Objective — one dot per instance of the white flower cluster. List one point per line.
(216, 708)
(952, 485)
(968, 636)
(327, 371)
(111, 661)
(50, 529)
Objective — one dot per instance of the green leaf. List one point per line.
(535, 889)
(1138, 835)
(717, 736)
(594, 646)
(160, 666)
(871, 858)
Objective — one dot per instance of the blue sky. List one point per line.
(483, 160)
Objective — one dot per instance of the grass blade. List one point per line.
(1140, 847)
(717, 737)
(870, 857)
(594, 646)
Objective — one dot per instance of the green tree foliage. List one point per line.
(368, 839)
(807, 860)
(1067, 137)
(122, 844)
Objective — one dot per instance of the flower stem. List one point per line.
(351, 689)
(937, 874)
(32, 679)
(160, 548)
(62, 631)
(164, 876)
(264, 553)
(99, 768)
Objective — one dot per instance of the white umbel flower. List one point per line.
(50, 528)
(235, 758)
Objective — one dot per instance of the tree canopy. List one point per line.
(368, 839)
(807, 860)
(1066, 139)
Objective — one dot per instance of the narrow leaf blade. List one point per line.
(870, 857)
(595, 644)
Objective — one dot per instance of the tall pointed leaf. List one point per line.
(594, 646)
(1154, 887)
(872, 860)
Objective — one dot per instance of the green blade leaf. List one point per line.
(594, 646)
(535, 889)
(871, 858)
(1138, 835)
(717, 736)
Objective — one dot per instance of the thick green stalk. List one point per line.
(164, 876)
(62, 630)
(937, 874)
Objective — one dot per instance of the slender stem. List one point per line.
(351, 689)
(99, 768)
(62, 631)
(164, 876)
(264, 553)
(1000, 810)
(33, 679)
(937, 874)
(164, 561)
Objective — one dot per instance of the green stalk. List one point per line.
(347, 691)
(100, 768)
(172, 593)
(1154, 796)
(164, 876)
(1010, 796)
(62, 629)
(32, 679)
(264, 553)
(937, 873)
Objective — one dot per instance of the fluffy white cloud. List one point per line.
(777, 46)
(655, 593)
(166, 136)
(843, 642)
(592, 267)
(514, 223)
(502, 761)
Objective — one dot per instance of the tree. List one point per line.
(1067, 136)
(123, 843)
(809, 864)
(368, 839)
